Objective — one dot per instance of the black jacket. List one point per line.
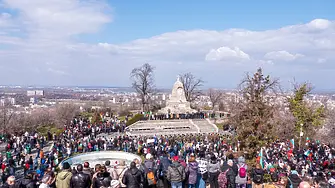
(230, 175)
(80, 180)
(133, 178)
(234, 167)
(27, 183)
(293, 179)
(102, 180)
(257, 174)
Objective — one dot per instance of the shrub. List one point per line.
(135, 119)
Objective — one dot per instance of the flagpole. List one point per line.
(301, 134)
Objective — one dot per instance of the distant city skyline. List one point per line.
(86, 43)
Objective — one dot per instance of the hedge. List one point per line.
(135, 119)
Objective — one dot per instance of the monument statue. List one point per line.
(177, 104)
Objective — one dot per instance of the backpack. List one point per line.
(274, 177)
(258, 178)
(151, 178)
(222, 179)
(242, 172)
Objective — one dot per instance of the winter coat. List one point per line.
(213, 167)
(133, 178)
(257, 172)
(234, 167)
(230, 175)
(103, 179)
(176, 172)
(80, 180)
(294, 180)
(63, 179)
(241, 162)
(192, 170)
(28, 183)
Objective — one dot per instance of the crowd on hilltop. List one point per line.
(193, 160)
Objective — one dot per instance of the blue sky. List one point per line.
(142, 19)
(68, 42)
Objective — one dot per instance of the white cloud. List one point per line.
(226, 53)
(50, 31)
(282, 56)
(320, 24)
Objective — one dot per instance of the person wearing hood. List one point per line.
(103, 178)
(241, 178)
(213, 168)
(293, 178)
(176, 173)
(192, 171)
(133, 178)
(28, 181)
(64, 177)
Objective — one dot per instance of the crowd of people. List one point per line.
(178, 161)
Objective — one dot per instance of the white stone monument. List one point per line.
(177, 103)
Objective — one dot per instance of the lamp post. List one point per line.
(301, 135)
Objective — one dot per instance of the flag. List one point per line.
(292, 143)
(261, 158)
(307, 153)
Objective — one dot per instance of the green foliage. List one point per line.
(86, 114)
(96, 118)
(135, 119)
(306, 116)
(43, 130)
(253, 118)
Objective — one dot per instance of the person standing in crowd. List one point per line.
(229, 174)
(64, 177)
(80, 179)
(241, 178)
(121, 170)
(192, 171)
(10, 183)
(293, 179)
(102, 179)
(28, 181)
(111, 170)
(257, 177)
(150, 172)
(133, 177)
(87, 170)
(176, 173)
(213, 169)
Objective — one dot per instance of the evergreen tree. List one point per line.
(308, 117)
(253, 115)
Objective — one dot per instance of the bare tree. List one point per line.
(143, 83)
(215, 96)
(191, 86)
(64, 114)
(6, 114)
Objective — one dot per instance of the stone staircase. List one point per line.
(162, 127)
(205, 126)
